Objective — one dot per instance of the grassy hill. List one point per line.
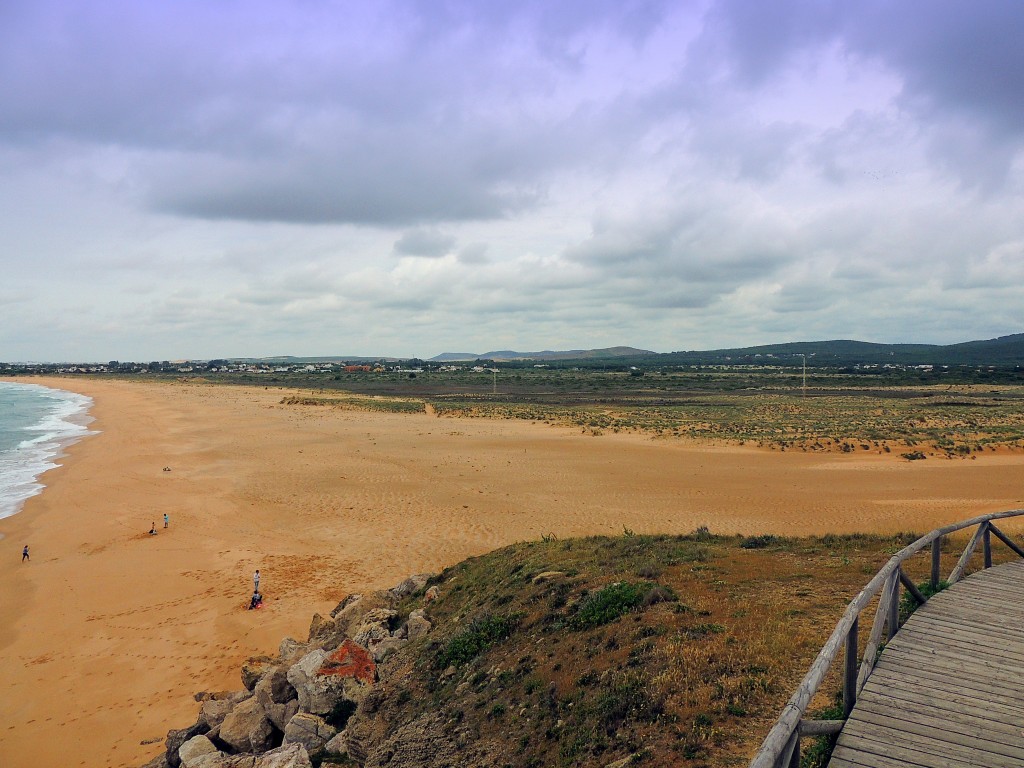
(667, 650)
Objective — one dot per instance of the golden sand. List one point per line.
(108, 632)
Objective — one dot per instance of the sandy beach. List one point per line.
(108, 632)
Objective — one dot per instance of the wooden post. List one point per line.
(965, 558)
(986, 545)
(936, 554)
(850, 678)
(794, 757)
(912, 587)
(894, 605)
(1006, 540)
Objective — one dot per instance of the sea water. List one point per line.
(36, 424)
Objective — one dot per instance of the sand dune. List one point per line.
(108, 632)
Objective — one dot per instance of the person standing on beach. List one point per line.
(24, 554)
(167, 520)
(256, 581)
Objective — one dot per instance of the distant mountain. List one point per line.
(572, 354)
(1005, 350)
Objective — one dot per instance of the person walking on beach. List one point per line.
(256, 581)
(24, 554)
(167, 520)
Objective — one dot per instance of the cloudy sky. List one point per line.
(196, 179)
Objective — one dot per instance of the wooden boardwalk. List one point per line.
(948, 691)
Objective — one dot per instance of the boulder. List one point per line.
(418, 625)
(349, 618)
(176, 738)
(246, 728)
(194, 748)
(375, 627)
(322, 679)
(277, 697)
(337, 745)
(291, 756)
(388, 645)
(213, 712)
(410, 586)
(288, 756)
(160, 761)
(291, 649)
(311, 731)
(431, 595)
(253, 670)
(349, 600)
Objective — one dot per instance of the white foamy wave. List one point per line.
(63, 419)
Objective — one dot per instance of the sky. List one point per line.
(190, 179)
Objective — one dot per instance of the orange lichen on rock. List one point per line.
(350, 660)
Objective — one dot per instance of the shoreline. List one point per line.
(110, 632)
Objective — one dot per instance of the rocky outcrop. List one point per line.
(297, 703)
(193, 749)
(310, 731)
(247, 729)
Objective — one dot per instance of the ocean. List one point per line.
(36, 424)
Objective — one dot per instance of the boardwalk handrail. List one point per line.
(781, 747)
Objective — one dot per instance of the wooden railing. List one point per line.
(781, 748)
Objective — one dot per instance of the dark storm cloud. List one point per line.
(961, 64)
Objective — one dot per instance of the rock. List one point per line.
(410, 586)
(277, 697)
(160, 761)
(418, 625)
(213, 712)
(246, 728)
(253, 670)
(193, 749)
(349, 600)
(291, 756)
(291, 649)
(431, 595)
(376, 626)
(311, 731)
(337, 745)
(356, 613)
(322, 679)
(540, 578)
(319, 627)
(288, 756)
(388, 645)
(623, 763)
(176, 738)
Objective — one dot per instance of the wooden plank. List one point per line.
(945, 692)
(951, 702)
(938, 680)
(1000, 640)
(953, 696)
(956, 727)
(897, 743)
(946, 741)
(882, 739)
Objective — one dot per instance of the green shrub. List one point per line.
(481, 634)
(610, 603)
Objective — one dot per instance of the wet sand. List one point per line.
(106, 635)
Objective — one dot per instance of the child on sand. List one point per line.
(152, 528)
(166, 520)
